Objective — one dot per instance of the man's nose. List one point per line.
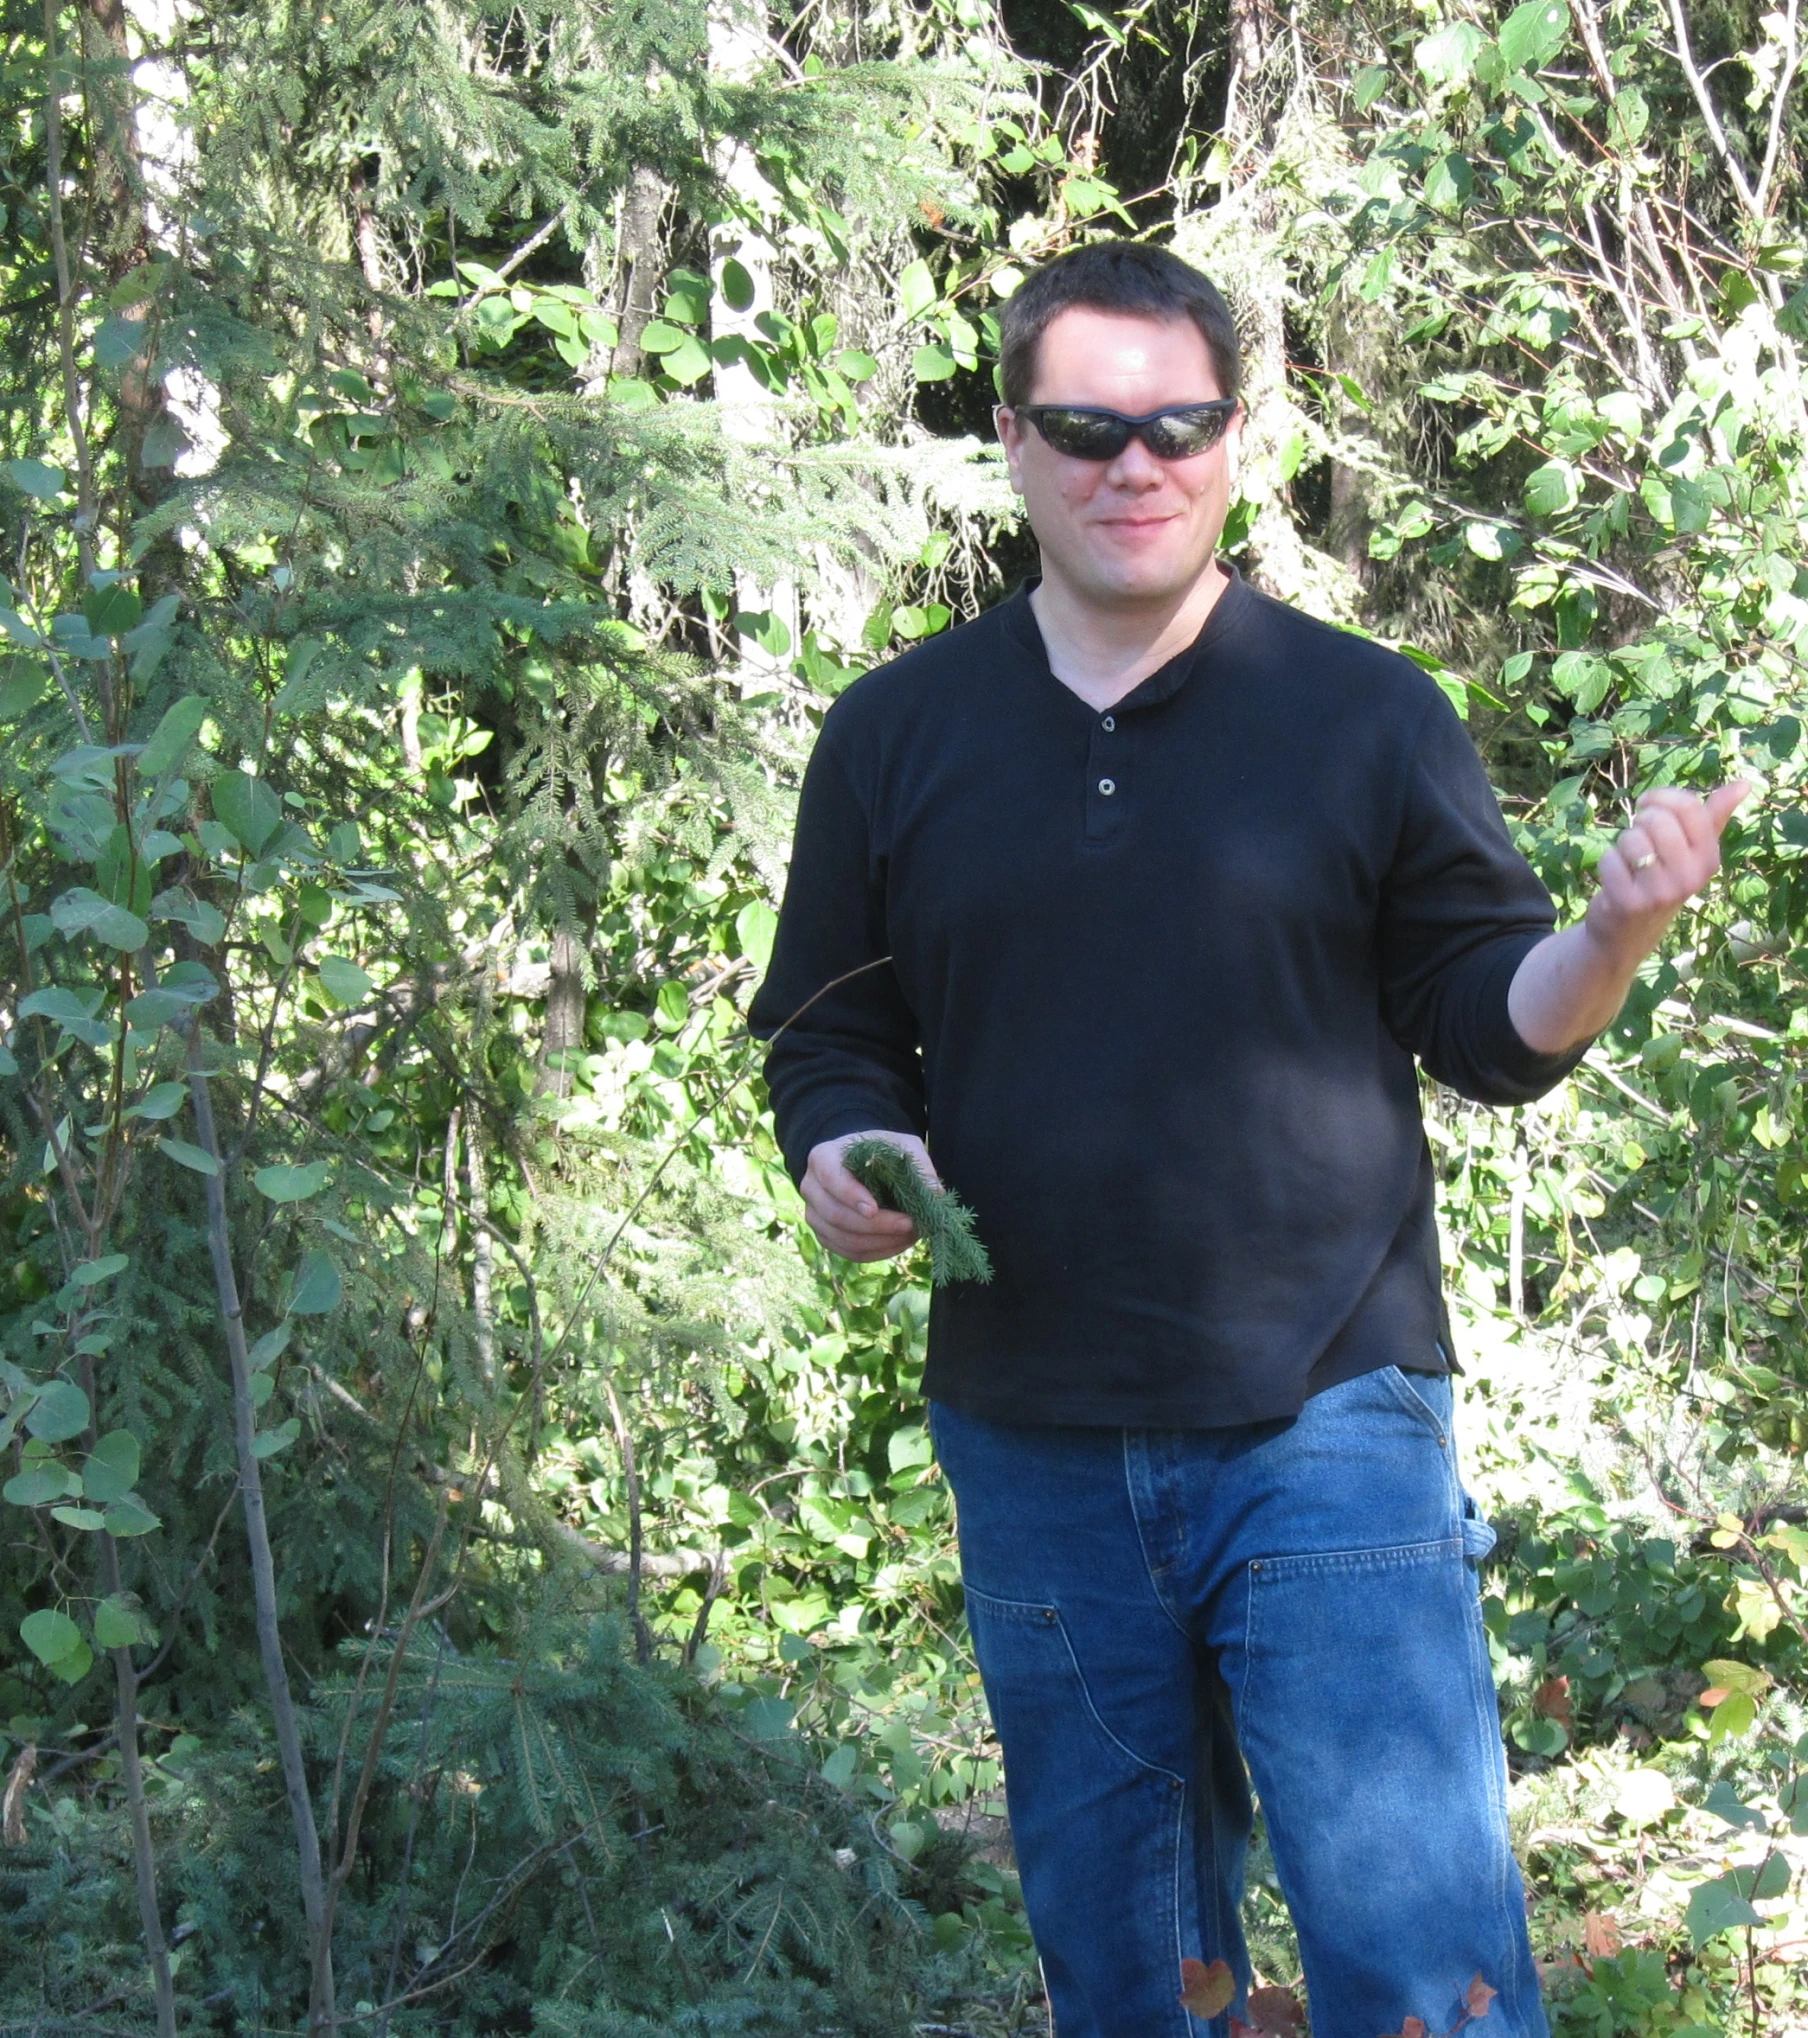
(1136, 467)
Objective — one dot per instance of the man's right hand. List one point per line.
(845, 1214)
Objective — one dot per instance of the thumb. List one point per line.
(1723, 799)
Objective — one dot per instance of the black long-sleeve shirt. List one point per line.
(1157, 977)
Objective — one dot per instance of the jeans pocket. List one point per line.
(1478, 1534)
(1421, 1396)
(1035, 1687)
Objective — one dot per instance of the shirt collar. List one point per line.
(1166, 680)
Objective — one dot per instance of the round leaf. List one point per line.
(128, 1516)
(112, 1466)
(59, 1413)
(38, 1485)
(737, 286)
(178, 729)
(342, 980)
(79, 1517)
(115, 1624)
(247, 807)
(112, 611)
(34, 477)
(317, 1288)
(188, 1156)
(50, 1636)
(286, 1184)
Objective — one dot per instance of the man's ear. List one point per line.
(1010, 437)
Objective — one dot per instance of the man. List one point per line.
(1139, 896)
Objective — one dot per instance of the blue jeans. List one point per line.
(1154, 1609)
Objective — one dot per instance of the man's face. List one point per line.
(1134, 531)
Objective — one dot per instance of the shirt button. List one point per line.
(1108, 786)
(1108, 724)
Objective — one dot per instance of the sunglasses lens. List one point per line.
(1181, 434)
(1083, 434)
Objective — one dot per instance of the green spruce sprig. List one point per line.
(943, 1221)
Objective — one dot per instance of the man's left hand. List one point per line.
(1667, 855)
(1573, 984)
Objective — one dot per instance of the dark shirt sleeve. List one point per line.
(844, 1055)
(1460, 910)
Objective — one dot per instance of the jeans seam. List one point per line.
(1052, 1615)
(1142, 1545)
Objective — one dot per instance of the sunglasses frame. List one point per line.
(1223, 408)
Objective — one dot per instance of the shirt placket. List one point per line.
(1108, 776)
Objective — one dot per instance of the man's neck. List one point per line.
(1104, 654)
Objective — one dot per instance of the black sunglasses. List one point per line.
(1085, 433)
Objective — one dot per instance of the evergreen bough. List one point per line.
(943, 1221)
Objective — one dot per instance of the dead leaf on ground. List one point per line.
(1600, 1935)
(1206, 1991)
(1552, 1700)
(1276, 2011)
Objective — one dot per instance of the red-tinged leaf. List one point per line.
(1414, 2027)
(1277, 2011)
(1206, 1991)
(1714, 1695)
(1552, 1699)
(1479, 1997)
(1600, 1935)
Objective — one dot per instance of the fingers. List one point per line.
(1670, 851)
(845, 1214)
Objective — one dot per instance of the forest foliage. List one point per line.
(472, 1561)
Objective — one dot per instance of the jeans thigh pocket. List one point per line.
(1041, 1703)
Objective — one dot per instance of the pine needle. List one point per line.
(943, 1221)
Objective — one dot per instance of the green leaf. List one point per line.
(25, 684)
(34, 477)
(248, 808)
(916, 290)
(162, 1100)
(932, 364)
(111, 611)
(317, 1289)
(1733, 1717)
(737, 286)
(50, 1636)
(111, 1468)
(688, 362)
(1532, 34)
(270, 1347)
(909, 1447)
(268, 1442)
(60, 1412)
(1368, 85)
(78, 1517)
(1449, 56)
(91, 1273)
(115, 1624)
(60, 1003)
(657, 337)
(1628, 117)
(83, 911)
(855, 366)
(40, 1484)
(180, 726)
(118, 341)
(187, 1156)
(288, 1184)
(342, 980)
(1449, 182)
(755, 927)
(1552, 488)
(1717, 1907)
(128, 1516)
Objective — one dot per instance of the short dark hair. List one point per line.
(1128, 277)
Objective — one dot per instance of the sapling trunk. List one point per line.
(322, 2017)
